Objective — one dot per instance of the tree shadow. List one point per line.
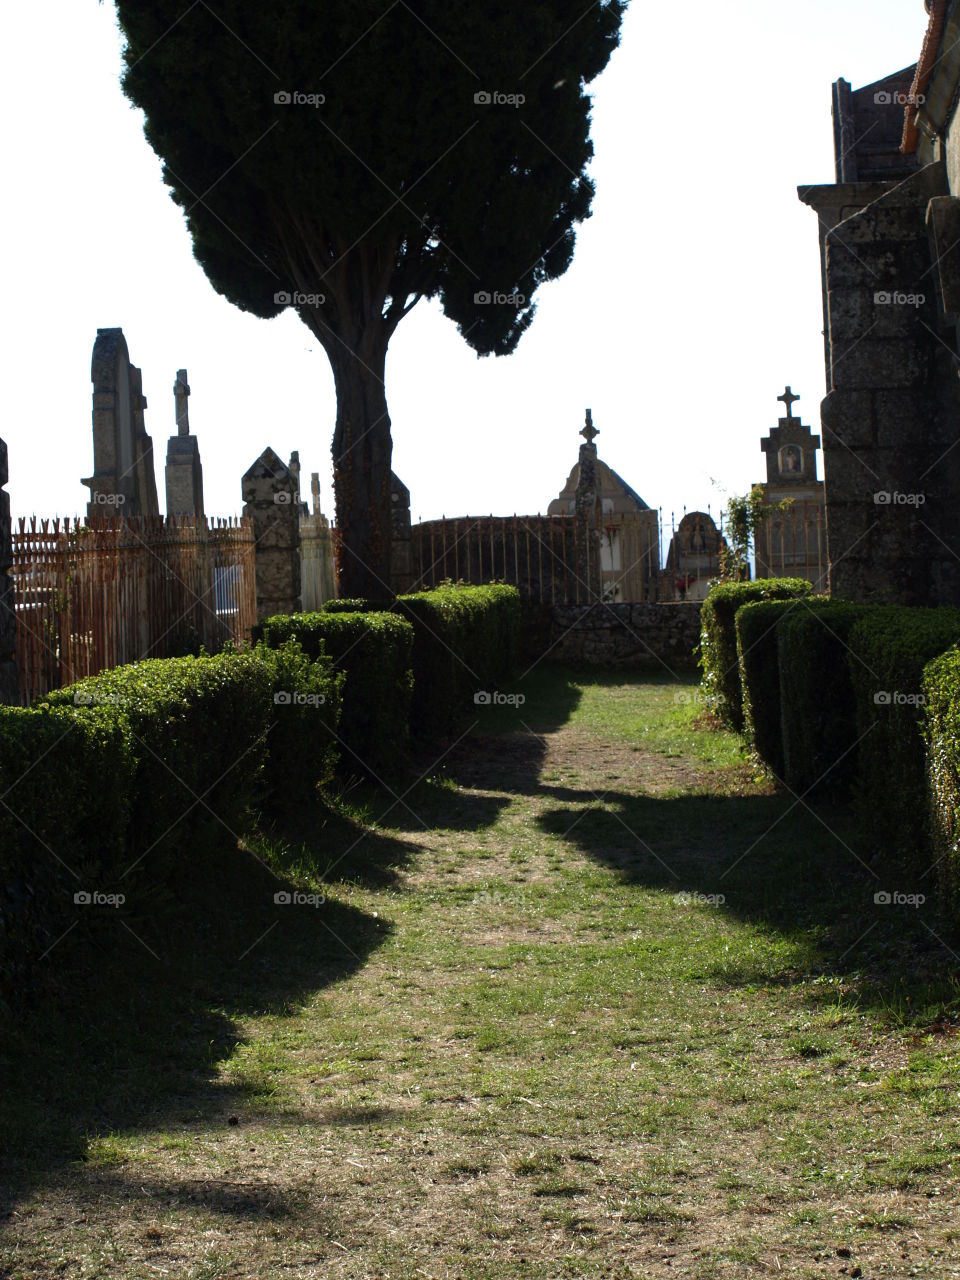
(772, 862)
(143, 1002)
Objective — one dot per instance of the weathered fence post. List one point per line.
(9, 691)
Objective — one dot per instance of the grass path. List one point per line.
(591, 1000)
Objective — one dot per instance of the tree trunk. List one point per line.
(362, 451)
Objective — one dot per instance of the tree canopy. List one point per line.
(349, 158)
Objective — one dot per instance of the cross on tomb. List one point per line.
(589, 431)
(789, 399)
(181, 390)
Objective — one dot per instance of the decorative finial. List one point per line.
(589, 431)
(788, 399)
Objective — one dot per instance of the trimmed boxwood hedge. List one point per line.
(718, 639)
(889, 648)
(302, 749)
(941, 691)
(757, 655)
(467, 640)
(816, 694)
(374, 651)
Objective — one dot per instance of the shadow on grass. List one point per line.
(142, 1002)
(770, 862)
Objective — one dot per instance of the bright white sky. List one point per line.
(694, 295)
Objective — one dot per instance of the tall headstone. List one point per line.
(587, 510)
(271, 501)
(123, 480)
(183, 473)
(318, 580)
(401, 571)
(8, 618)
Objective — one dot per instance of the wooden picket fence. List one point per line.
(94, 595)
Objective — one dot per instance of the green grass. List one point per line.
(598, 1003)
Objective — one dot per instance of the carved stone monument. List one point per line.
(123, 480)
(271, 500)
(8, 618)
(588, 513)
(184, 474)
(401, 565)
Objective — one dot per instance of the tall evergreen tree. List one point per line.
(349, 157)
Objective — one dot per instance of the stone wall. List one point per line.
(8, 620)
(660, 637)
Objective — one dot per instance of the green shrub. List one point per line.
(307, 696)
(466, 641)
(349, 606)
(889, 650)
(198, 731)
(941, 691)
(66, 783)
(718, 639)
(757, 655)
(374, 652)
(816, 694)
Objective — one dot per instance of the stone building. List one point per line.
(629, 529)
(791, 542)
(889, 225)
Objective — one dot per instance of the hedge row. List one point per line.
(719, 659)
(864, 700)
(374, 653)
(466, 641)
(104, 781)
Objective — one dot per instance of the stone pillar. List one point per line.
(270, 498)
(8, 621)
(401, 572)
(587, 511)
(891, 417)
(123, 480)
(183, 473)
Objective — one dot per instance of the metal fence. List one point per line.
(90, 596)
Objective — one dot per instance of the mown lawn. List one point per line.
(589, 999)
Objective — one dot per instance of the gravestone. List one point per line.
(8, 618)
(183, 473)
(123, 480)
(271, 501)
(401, 563)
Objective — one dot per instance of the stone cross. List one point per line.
(181, 390)
(589, 431)
(789, 400)
(315, 491)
